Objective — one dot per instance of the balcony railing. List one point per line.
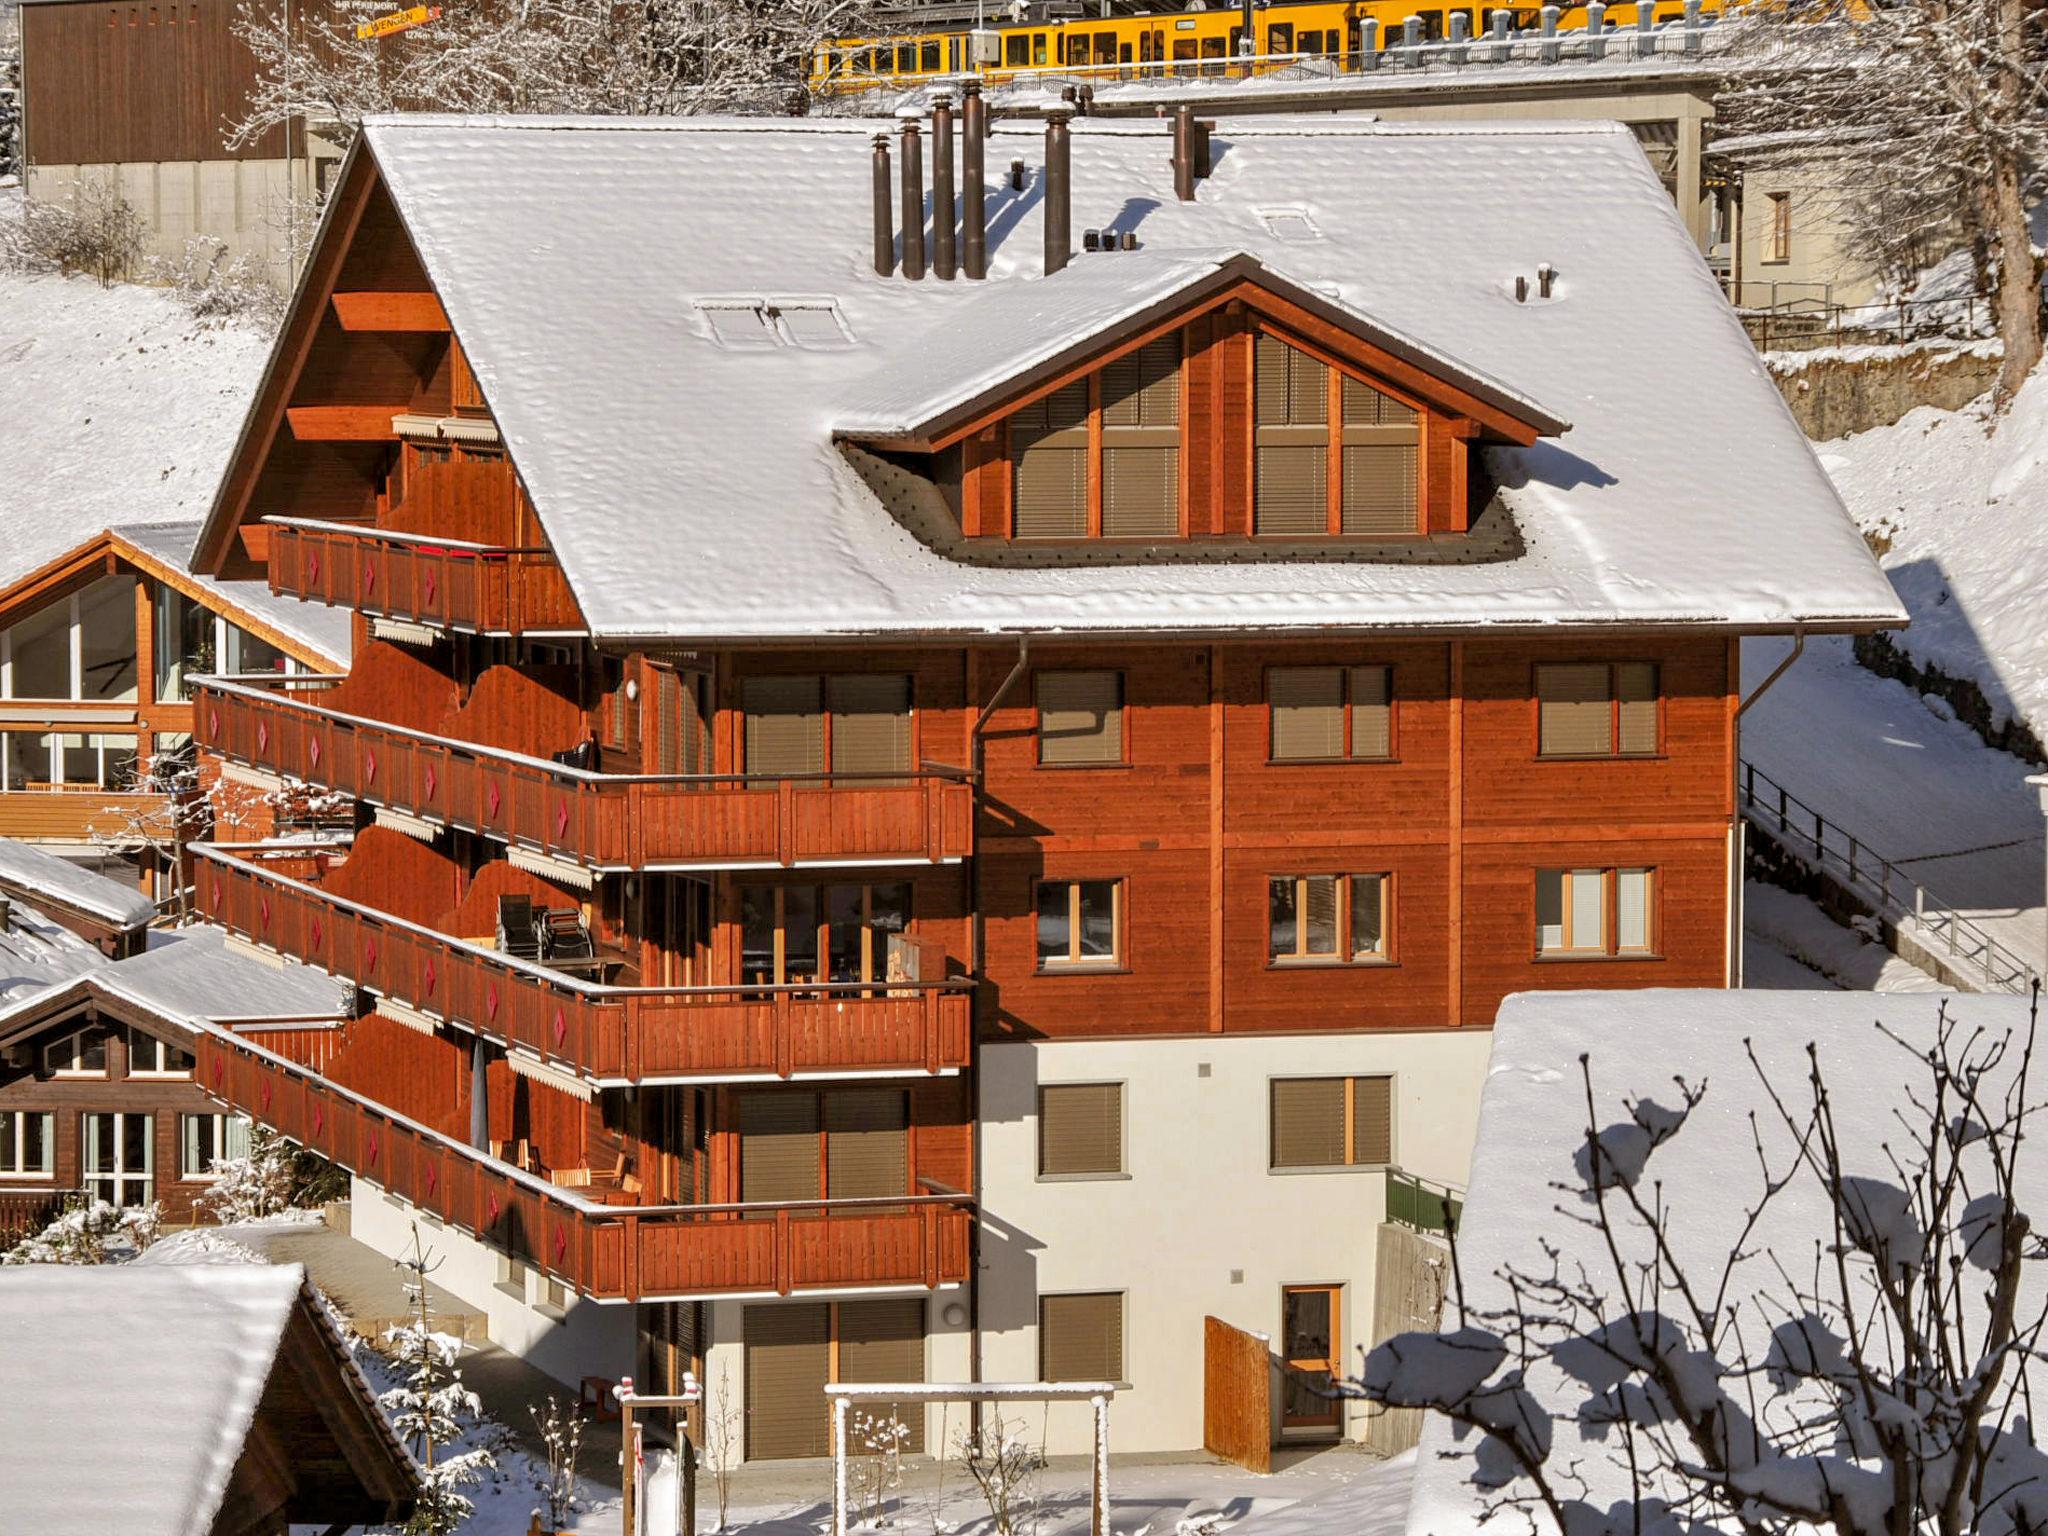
(448, 583)
(25, 1209)
(595, 820)
(611, 1036)
(608, 1252)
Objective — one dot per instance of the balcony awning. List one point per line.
(412, 826)
(541, 1072)
(550, 868)
(411, 1018)
(255, 778)
(403, 632)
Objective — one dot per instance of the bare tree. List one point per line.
(1922, 121)
(1875, 1386)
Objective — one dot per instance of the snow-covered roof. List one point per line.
(32, 873)
(1532, 1129)
(322, 630)
(36, 954)
(693, 489)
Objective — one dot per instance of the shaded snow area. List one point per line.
(1790, 945)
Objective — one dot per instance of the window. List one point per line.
(1595, 911)
(1132, 406)
(862, 931)
(1080, 1129)
(120, 1158)
(83, 1054)
(28, 1144)
(845, 1144)
(1325, 714)
(184, 643)
(1330, 918)
(1049, 466)
(1081, 1337)
(854, 724)
(1597, 709)
(204, 1140)
(1080, 923)
(1362, 482)
(1332, 1122)
(243, 652)
(1080, 717)
(1778, 229)
(150, 1057)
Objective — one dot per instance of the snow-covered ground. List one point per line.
(1790, 945)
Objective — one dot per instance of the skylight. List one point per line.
(753, 324)
(738, 324)
(813, 324)
(1289, 224)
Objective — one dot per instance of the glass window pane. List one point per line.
(234, 1136)
(1589, 903)
(92, 1054)
(81, 759)
(41, 649)
(106, 639)
(1054, 924)
(1280, 910)
(843, 912)
(757, 934)
(1632, 909)
(10, 1142)
(1549, 909)
(1319, 916)
(1098, 920)
(1368, 927)
(28, 760)
(117, 760)
(247, 653)
(39, 1143)
(99, 1143)
(800, 933)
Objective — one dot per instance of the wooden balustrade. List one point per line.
(26, 1209)
(447, 584)
(629, 1253)
(605, 1034)
(600, 821)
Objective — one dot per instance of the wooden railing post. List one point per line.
(785, 1262)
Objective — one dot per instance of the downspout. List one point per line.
(978, 765)
(1738, 832)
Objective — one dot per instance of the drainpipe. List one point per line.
(1738, 831)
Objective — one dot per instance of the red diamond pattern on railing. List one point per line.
(491, 799)
(370, 764)
(370, 1156)
(313, 565)
(313, 751)
(369, 578)
(561, 1028)
(213, 724)
(491, 1002)
(491, 1209)
(370, 954)
(319, 1118)
(561, 818)
(430, 586)
(264, 1097)
(431, 1179)
(431, 781)
(220, 1069)
(430, 976)
(314, 933)
(263, 911)
(561, 1243)
(262, 735)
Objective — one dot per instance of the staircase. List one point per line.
(1917, 925)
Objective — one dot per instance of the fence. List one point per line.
(1951, 939)
(1816, 319)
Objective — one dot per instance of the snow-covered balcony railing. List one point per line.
(422, 578)
(584, 818)
(607, 1252)
(605, 1035)
(27, 1208)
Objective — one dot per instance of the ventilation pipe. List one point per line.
(1546, 276)
(1369, 44)
(1184, 153)
(1059, 239)
(885, 220)
(974, 115)
(943, 265)
(1596, 30)
(1461, 34)
(913, 197)
(1201, 147)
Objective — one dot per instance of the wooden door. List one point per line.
(1311, 1339)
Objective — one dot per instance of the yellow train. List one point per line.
(1179, 42)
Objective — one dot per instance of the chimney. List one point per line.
(1016, 175)
(1184, 153)
(1546, 277)
(974, 255)
(913, 197)
(1059, 212)
(1201, 147)
(1461, 34)
(942, 186)
(885, 220)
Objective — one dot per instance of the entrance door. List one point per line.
(120, 1158)
(1311, 1334)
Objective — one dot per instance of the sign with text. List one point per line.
(399, 21)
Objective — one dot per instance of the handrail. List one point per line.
(1895, 894)
(372, 533)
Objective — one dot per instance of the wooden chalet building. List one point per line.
(912, 781)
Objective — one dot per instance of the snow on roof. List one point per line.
(36, 954)
(32, 872)
(692, 489)
(127, 1393)
(1532, 1125)
(195, 974)
(321, 629)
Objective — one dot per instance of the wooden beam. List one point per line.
(343, 423)
(390, 312)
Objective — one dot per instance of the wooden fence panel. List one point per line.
(1237, 1395)
(1410, 1271)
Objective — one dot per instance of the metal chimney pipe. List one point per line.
(1184, 153)
(885, 219)
(942, 187)
(913, 197)
(1201, 148)
(973, 215)
(1059, 212)
(1461, 34)
(1369, 44)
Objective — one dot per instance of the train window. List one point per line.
(1105, 47)
(1017, 50)
(1280, 38)
(1432, 25)
(953, 54)
(929, 58)
(906, 58)
(1184, 48)
(1123, 53)
(1038, 47)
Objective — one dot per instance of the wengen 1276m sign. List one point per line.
(399, 21)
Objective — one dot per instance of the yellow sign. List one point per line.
(399, 21)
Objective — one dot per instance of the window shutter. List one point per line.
(1269, 380)
(1372, 712)
(870, 723)
(1308, 1122)
(1080, 717)
(1372, 1120)
(1080, 1128)
(867, 1144)
(1308, 712)
(785, 725)
(1081, 1338)
(779, 1146)
(1140, 491)
(668, 745)
(1141, 442)
(1379, 489)
(1575, 714)
(1368, 915)
(1636, 685)
(1365, 406)
(1049, 446)
(1142, 388)
(789, 1360)
(884, 1341)
(1292, 494)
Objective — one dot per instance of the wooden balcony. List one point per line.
(608, 1252)
(594, 820)
(611, 1036)
(80, 814)
(27, 1208)
(422, 579)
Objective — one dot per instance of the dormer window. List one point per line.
(1360, 480)
(1100, 457)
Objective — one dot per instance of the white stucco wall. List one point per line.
(1200, 1224)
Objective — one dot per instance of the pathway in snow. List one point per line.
(1920, 789)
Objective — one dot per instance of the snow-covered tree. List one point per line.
(255, 1186)
(560, 1429)
(1921, 122)
(1873, 1383)
(89, 1231)
(431, 1408)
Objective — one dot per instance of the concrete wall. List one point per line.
(1199, 1224)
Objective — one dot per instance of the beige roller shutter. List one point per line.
(1308, 1122)
(1291, 387)
(884, 1341)
(867, 1143)
(1141, 442)
(1308, 712)
(785, 724)
(1293, 490)
(1142, 388)
(1577, 717)
(1140, 490)
(870, 723)
(1379, 489)
(1080, 717)
(789, 1359)
(1636, 683)
(779, 1146)
(1049, 448)
(1372, 1120)
(1291, 407)
(1372, 712)
(1365, 406)
(1081, 1128)
(1081, 1337)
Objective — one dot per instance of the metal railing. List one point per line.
(1423, 1205)
(1828, 849)
(1819, 320)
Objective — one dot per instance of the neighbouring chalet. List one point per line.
(948, 796)
(240, 1408)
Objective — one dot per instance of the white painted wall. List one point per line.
(1199, 1225)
